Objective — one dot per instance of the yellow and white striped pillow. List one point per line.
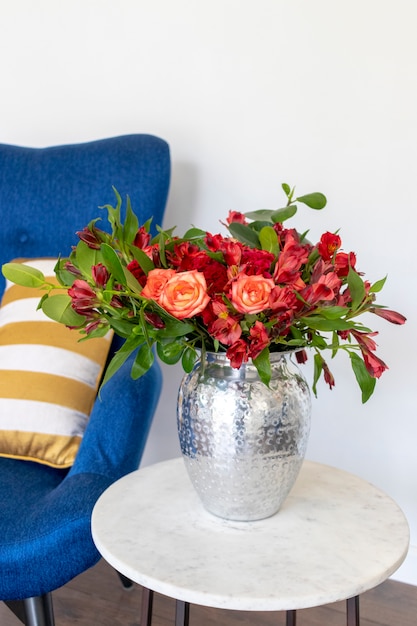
(48, 379)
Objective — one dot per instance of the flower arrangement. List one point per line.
(261, 288)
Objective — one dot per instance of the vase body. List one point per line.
(243, 443)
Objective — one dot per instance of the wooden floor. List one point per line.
(96, 598)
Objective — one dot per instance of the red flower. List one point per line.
(100, 275)
(256, 261)
(91, 236)
(137, 272)
(142, 238)
(290, 261)
(226, 329)
(84, 298)
(328, 246)
(343, 262)
(258, 339)
(375, 366)
(301, 357)
(390, 316)
(237, 353)
(235, 216)
(328, 376)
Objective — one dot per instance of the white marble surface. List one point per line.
(335, 537)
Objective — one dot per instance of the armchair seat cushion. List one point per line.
(45, 524)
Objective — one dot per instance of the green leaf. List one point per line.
(244, 234)
(269, 240)
(188, 360)
(314, 200)
(23, 275)
(261, 214)
(318, 368)
(170, 353)
(85, 258)
(263, 366)
(287, 189)
(194, 233)
(333, 312)
(378, 285)
(280, 215)
(143, 361)
(58, 308)
(326, 325)
(131, 224)
(356, 288)
(131, 281)
(176, 328)
(112, 262)
(142, 258)
(365, 381)
(120, 357)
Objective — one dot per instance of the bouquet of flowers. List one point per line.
(262, 288)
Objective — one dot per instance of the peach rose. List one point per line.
(250, 294)
(155, 283)
(184, 294)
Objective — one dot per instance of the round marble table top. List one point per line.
(335, 537)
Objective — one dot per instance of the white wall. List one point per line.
(316, 93)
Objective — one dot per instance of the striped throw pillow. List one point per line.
(48, 379)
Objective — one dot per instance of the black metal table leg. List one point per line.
(352, 611)
(147, 604)
(182, 613)
(291, 618)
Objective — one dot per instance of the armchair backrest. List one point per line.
(47, 194)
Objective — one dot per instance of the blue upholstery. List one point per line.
(46, 195)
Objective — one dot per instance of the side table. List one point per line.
(335, 537)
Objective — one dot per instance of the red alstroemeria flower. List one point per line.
(100, 275)
(329, 245)
(258, 339)
(137, 272)
(84, 298)
(343, 262)
(375, 366)
(226, 329)
(91, 236)
(328, 376)
(390, 316)
(142, 238)
(237, 353)
(290, 261)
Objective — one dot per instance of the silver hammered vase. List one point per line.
(243, 443)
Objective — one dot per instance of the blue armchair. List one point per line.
(46, 195)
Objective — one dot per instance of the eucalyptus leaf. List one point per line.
(261, 214)
(23, 275)
(245, 234)
(314, 200)
(280, 215)
(269, 240)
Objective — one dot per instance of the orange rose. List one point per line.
(250, 294)
(155, 283)
(185, 294)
